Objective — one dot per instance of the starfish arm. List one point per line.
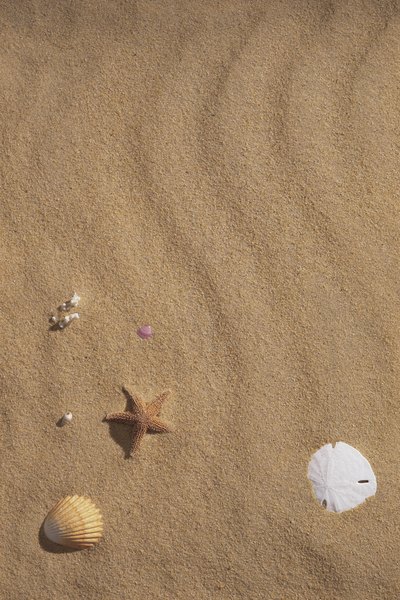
(139, 429)
(153, 408)
(158, 426)
(120, 417)
(137, 404)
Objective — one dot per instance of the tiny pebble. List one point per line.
(145, 332)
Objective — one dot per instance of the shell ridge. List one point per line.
(74, 521)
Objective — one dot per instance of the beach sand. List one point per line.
(227, 172)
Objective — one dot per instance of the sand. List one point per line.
(226, 171)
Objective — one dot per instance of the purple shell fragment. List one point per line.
(145, 332)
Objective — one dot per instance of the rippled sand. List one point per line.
(227, 172)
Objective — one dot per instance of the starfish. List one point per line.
(141, 417)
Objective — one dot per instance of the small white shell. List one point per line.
(341, 477)
(75, 521)
(67, 320)
(66, 418)
(74, 301)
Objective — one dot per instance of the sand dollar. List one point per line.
(341, 476)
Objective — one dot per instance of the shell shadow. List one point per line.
(49, 546)
(56, 326)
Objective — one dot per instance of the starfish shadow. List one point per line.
(122, 434)
(49, 546)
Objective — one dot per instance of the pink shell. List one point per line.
(145, 332)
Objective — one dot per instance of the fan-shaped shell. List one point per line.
(75, 521)
(341, 476)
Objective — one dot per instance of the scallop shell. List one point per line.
(75, 521)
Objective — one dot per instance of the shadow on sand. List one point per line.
(120, 433)
(49, 546)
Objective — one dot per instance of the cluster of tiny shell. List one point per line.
(65, 307)
(145, 332)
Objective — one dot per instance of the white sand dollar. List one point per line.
(341, 477)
